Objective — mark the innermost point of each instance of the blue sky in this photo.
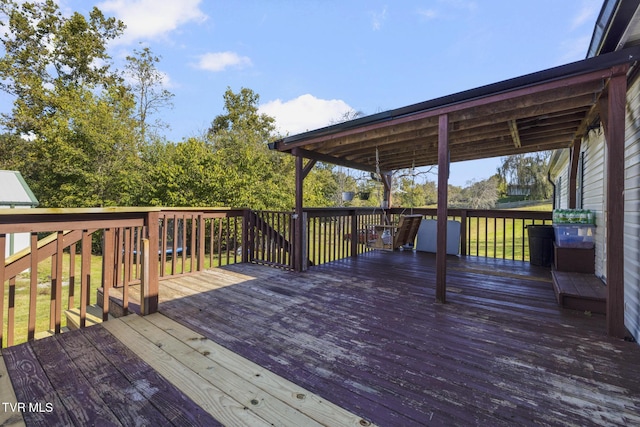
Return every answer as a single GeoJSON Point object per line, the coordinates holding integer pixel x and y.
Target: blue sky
{"type": "Point", "coordinates": [310, 61]}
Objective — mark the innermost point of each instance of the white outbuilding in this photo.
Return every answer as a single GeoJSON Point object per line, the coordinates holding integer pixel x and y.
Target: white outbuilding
{"type": "Point", "coordinates": [15, 193]}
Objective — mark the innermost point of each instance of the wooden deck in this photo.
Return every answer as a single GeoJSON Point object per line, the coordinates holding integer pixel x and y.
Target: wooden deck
{"type": "Point", "coordinates": [149, 371]}
{"type": "Point", "coordinates": [367, 334]}
{"type": "Point", "coordinates": [277, 347]}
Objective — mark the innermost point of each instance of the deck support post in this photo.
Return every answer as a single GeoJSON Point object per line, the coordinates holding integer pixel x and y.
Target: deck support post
{"type": "Point", "coordinates": [614, 123]}
{"type": "Point", "coordinates": [441, 233]}
{"type": "Point", "coordinates": [298, 224]}
{"type": "Point", "coordinates": [149, 288]}
{"type": "Point", "coordinates": [3, 240]}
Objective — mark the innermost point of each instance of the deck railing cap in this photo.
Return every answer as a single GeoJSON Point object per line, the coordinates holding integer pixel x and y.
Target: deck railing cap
{"type": "Point", "coordinates": [112, 209]}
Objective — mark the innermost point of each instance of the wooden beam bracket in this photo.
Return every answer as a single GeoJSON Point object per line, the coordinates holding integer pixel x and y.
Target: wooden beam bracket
{"type": "Point", "coordinates": [515, 134]}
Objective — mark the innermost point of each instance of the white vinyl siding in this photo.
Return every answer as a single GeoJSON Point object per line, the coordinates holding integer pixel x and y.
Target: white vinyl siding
{"type": "Point", "coordinates": [594, 191]}
{"type": "Point", "coordinates": [632, 212]}
{"type": "Point", "coordinates": [562, 189]}
{"type": "Point", "coordinates": [594, 198]}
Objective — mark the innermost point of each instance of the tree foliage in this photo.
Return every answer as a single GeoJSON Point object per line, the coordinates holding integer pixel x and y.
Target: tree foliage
{"type": "Point", "coordinates": [253, 175]}
{"type": "Point", "coordinates": [72, 111]}
{"type": "Point", "coordinates": [528, 171]}
{"type": "Point", "coordinates": [146, 83]}
{"type": "Point", "coordinates": [81, 134]}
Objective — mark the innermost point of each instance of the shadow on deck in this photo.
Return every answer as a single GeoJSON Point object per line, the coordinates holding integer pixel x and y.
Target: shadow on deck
{"type": "Point", "coordinates": [366, 333]}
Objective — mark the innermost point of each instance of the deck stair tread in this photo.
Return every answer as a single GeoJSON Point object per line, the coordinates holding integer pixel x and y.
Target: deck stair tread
{"type": "Point", "coordinates": [580, 291]}
{"type": "Point", "coordinates": [93, 316]}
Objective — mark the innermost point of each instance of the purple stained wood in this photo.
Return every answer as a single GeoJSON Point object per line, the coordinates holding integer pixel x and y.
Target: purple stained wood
{"type": "Point", "coordinates": [88, 377]}
{"type": "Point", "coordinates": [42, 406]}
{"type": "Point", "coordinates": [366, 334]}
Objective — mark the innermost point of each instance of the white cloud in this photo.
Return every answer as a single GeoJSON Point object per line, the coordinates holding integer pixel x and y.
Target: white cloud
{"type": "Point", "coordinates": [427, 13]}
{"type": "Point", "coordinates": [149, 19]}
{"type": "Point", "coordinates": [574, 49]}
{"type": "Point", "coordinates": [378, 18]}
{"type": "Point", "coordinates": [468, 5]}
{"type": "Point", "coordinates": [304, 113]}
{"type": "Point", "coordinates": [586, 13]}
{"type": "Point", "coordinates": [219, 61]}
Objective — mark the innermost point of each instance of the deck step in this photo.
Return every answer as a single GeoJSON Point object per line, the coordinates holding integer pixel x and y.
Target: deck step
{"type": "Point", "coordinates": [48, 333]}
{"type": "Point", "coordinates": [93, 317]}
{"type": "Point", "coordinates": [116, 306]}
{"type": "Point", "coordinates": [580, 291]}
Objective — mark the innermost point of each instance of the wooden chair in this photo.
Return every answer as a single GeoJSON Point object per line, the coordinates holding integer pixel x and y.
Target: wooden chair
{"type": "Point", "coordinates": [391, 237]}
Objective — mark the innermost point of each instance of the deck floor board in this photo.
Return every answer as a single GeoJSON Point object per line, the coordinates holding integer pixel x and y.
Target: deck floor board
{"type": "Point", "coordinates": [368, 333]}
{"type": "Point", "coordinates": [253, 345]}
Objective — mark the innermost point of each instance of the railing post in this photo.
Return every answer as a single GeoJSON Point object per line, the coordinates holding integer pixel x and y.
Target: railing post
{"type": "Point", "coordinates": [85, 276]}
{"type": "Point", "coordinates": [355, 235]}
{"type": "Point", "coordinates": [2, 257]}
{"type": "Point", "coordinates": [463, 233]}
{"type": "Point", "coordinates": [149, 293]}
{"type": "Point", "coordinates": [247, 230]}
{"type": "Point", "coordinates": [201, 236]}
{"type": "Point", "coordinates": [107, 270]}
{"type": "Point", "coordinates": [144, 276]}
{"type": "Point", "coordinates": [57, 289]}
{"type": "Point", "coordinates": [304, 255]}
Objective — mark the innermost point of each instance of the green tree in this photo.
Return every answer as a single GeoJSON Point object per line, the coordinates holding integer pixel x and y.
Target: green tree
{"type": "Point", "coordinates": [481, 194]}
{"type": "Point", "coordinates": [411, 194]}
{"type": "Point", "coordinates": [528, 171]}
{"type": "Point", "coordinates": [320, 186]}
{"type": "Point", "coordinates": [248, 173]}
{"type": "Point", "coordinates": [76, 112]}
{"type": "Point", "coordinates": [180, 174]}
{"type": "Point", "coordinates": [14, 152]}
{"type": "Point", "coordinates": [147, 87]}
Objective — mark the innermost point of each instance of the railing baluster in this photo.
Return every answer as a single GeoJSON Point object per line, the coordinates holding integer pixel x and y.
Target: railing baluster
{"type": "Point", "coordinates": [164, 227]}
{"type": "Point", "coordinates": [72, 275]}
{"type": "Point", "coordinates": [3, 242]}
{"type": "Point", "coordinates": [57, 288]}
{"type": "Point", "coordinates": [85, 276]}
{"type": "Point", "coordinates": [33, 286]}
{"type": "Point", "coordinates": [11, 305]}
{"type": "Point", "coordinates": [477, 235]}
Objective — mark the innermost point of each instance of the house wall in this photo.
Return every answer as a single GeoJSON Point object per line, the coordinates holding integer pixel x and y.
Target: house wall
{"type": "Point", "coordinates": [593, 192]}
{"type": "Point", "coordinates": [594, 198]}
{"type": "Point", "coordinates": [16, 241]}
{"type": "Point", "coordinates": [632, 211]}
{"type": "Point", "coordinates": [562, 188]}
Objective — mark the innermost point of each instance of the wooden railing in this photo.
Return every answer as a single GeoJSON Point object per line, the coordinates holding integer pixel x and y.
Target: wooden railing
{"type": "Point", "coordinates": [72, 253]}
{"type": "Point", "coordinates": [490, 233]}
{"type": "Point", "coordinates": [335, 233]}
{"type": "Point", "coordinates": [270, 238]}
{"type": "Point", "coordinates": [328, 235]}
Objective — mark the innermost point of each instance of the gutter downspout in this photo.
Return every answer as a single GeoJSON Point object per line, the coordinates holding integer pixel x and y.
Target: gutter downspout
{"type": "Point", "coordinates": [553, 184]}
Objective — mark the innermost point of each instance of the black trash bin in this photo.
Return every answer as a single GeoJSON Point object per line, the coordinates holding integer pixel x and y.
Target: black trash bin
{"type": "Point", "coordinates": [541, 244]}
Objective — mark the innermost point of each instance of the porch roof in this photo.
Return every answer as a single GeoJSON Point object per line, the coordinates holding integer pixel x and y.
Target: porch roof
{"type": "Point", "coordinates": [545, 110]}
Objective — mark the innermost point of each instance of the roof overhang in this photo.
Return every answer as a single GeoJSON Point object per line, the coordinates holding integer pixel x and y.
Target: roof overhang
{"type": "Point", "coordinates": [546, 110]}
